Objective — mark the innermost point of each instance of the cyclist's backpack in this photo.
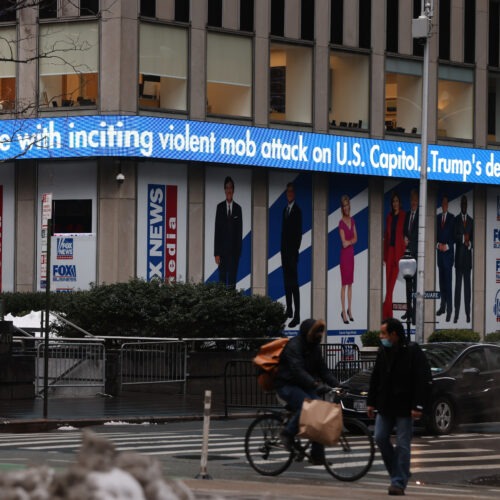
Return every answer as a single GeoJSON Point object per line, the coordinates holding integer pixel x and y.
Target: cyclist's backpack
{"type": "Point", "coordinates": [267, 360]}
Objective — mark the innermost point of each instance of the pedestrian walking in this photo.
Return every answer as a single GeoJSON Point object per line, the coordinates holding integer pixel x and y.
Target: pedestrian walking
{"type": "Point", "coordinates": [399, 389]}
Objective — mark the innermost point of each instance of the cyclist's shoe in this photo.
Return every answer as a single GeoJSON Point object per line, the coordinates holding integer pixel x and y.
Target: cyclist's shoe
{"type": "Point", "coordinates": [288, 440]}
{"type": "Point", "coordinates": [317, 460]}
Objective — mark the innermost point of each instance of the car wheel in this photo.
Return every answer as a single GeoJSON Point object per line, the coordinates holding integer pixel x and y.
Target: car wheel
{"type": "Point", "coordinates": [442, 419]}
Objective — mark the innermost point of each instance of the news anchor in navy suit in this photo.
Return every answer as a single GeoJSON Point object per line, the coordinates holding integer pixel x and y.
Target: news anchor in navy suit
{"type": "Point", "coordinates": [410, 231]}
{"type": "Point", "coordinates": [445, 247]}
{"type": "Point", "coordinates": [228, 236]}
{"type": "Point", "coordinates": [291, 237]}
{"type": "Point", "coordinates": [464, 229]}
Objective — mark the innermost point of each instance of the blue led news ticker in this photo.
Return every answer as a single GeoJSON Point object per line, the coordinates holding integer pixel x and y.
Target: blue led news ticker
{"type": "Point", "coordinates": [165, 138]}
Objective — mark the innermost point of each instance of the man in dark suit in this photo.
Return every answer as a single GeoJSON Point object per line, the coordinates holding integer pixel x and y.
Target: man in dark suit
{"type": "Point", "coordinates": [464, 229]}
{"type": "Point", "coordinates": [445, 241]}
{"type": "Point", "coordinates": [410, 231]}
{"type": "Point", "coordinates": [228, 236]}
{"type": "Point", "coordinates": [291, 237]}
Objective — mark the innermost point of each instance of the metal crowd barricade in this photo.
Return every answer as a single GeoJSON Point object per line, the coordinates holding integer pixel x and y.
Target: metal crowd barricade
{"type": "Point", "coordinates": [346, 369]}
{"type": "Point", "coordinates": [241, 389]}
{"type": "Point", "coordinates": [71, 364]}
{"type": "Point", "coordinates": [153, 362]}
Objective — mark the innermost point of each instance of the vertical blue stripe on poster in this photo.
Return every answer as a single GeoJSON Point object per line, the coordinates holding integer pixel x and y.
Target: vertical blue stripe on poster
{"type": "Point", "coordinates": [156, 232]}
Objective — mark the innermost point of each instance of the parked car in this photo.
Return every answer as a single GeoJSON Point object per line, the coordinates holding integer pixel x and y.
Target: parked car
{"type": "Point", "coordinates": [466, 386]}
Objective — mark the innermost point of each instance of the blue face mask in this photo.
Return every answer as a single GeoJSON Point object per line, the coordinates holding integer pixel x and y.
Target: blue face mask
{"type": "Point", "coordinates": [386, 342]}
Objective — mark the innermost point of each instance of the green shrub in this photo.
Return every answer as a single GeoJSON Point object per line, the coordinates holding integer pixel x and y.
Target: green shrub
{"type": "Point", "coordinates": [142, 309]}
{"type": "Point", "coordinates": [370, 338]}
{"type": "Point", "coordinates": [455, 335]}
{"type": "Point", "coordinates": [492, 337]}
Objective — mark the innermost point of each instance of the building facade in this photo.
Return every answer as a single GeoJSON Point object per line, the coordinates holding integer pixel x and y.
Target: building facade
{"type": "Point", "coordinates": [132, 114]}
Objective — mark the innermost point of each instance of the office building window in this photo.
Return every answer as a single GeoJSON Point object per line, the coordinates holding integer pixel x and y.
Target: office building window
{"type": "Point", "coordinates": [337, 21]}
{"type": "Point", "coordinates": [493, 33]}
{"type": "Point", "coordinates": [8, 9]}
{"type": "Point", "coordinates": [69, 61]}
{"type": "Point", "coordinates": [163, 67]}
{"type": "Point", "coordinates": [470, 31]}
{"type": "Point", "coordinates": [89, 7]}
{"type": "Point", "coordinates": [72, 216]}
{"type": "Point", "coordinates": [147, 8]}
{"type": "Point", "coordinates": [229, 75]}
{"type": "Point", "coordinates": [403, 96]}
{"type": "Point", "coordinates": [392, 31]}
{"type": "Point", "coordinates": [455, 102]}
{"type": "Point", "coordinates": [47, 9]}
{"type": "Point", "coordinates": [307, 20]}
{"type": "Point", "coordinates": [8, 52]}
{"type": "Point", "coordinates": [349, 90]}
{"type": "Point", "coordinates": [182, 11]}
{"type": "Point", "coordinates": [418, 46]}
{"type": "Point", "coordinates": [494, 107]}
{"type": "Point", "coordinates": [278, 17]}
{"type": "Point", "coordinates": [215, 13]}
{"type": "Point", "coordinates": [365, 24]}
{"type": "Point", "coordinates": [444, 29]}
{"type": "Point", "coordinates": [246, 15]}
{"type": "Point", "coordinates": [291, 83]}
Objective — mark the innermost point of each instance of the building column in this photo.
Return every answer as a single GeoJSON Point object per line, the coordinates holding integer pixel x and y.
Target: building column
{"type": "Point", "coordinates": [116, 230]}
{"type": "Point", "coordinates": [260, 237]}
{"type": "Point", "coordinates": [377, 68]}
{"type": "Point", "coordinates": [321, 66]}
{"type": "Point", "coordinates": [196, 218]}
{"type": "Point", "coordinates": [261, 66]}
{"type": "Point", "coordinates": [376, 257]}
{"type": "Point", "coordinates": [319, 245]}
{"type": "Point", "coordinates": [197, 61]}
{"type": "Point", "coordinates": [481, 76]}
{"type": "Point", "coordinates": [25, 223]}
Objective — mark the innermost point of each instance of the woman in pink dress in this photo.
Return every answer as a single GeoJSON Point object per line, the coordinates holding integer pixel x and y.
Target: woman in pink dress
{"type": "Point", "coordinates": [348, 237]}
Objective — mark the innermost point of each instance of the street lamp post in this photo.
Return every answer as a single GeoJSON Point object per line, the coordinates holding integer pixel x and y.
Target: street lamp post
{"type": "Point", "coordinates": [421, 30]}
{"type": "Point", "coordinates": [407, 268]}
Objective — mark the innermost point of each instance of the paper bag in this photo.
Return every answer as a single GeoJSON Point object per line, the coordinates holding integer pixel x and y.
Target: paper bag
{"type": "Point", "coordinates": [320, 421]}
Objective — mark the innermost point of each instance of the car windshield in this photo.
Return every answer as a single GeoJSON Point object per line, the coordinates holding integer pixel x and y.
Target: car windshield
{"type": "Point", "coordinates": [440, 356]}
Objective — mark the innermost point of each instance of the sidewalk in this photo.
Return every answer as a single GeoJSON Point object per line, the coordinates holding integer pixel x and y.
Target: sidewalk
{"type": "Point", "coordinates": [28, 415]}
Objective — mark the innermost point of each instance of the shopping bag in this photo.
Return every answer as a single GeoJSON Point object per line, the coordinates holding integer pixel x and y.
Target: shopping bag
{"type": "Point", "coordinates": [321, 421]}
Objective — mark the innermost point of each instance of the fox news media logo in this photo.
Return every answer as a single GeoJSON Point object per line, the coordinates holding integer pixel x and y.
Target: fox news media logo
{"type": "Point", "coordinates": [496, 238]}
{"type": "Point", "coordinates": [63, 272]}
{"type": "Point", "coordinates": [64, 248]}
{"type": "Point", "coordinates": [496, 307]}
{"type": "Point", "coordinates": [498, 270]}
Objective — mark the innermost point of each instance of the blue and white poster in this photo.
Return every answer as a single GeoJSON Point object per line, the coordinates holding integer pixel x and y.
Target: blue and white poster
{"type": "Point", "coordinates": [454, 246]}
{"type": "Point", "coordinates": [228, 227]}
{"type": "Point", "coordinates": [162, 220]}
{"type": "Point", "coordinates": [348, 223]}
{"type": "Point", "coordinates": [289, 249]}
{"type": "Point", "coordinates": [493, 261]}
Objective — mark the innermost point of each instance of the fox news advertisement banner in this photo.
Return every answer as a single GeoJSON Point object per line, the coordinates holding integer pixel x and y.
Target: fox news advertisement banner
{"type": "Point", "coordinates": [493, 260]}
{"type": "Point", "coordinates": [218, 143]}
{"type": "Point", "coordinates": [72, 262]}
{"type": "Point", "coordinates": [7, 227]}
{"type": "Point", "coordinates": [161, 216]}
{"type": "Point", "coordinates": [289, 234]}
{"type": "Point", "coordinates": [351, 263]}
{"type": "Point", "coordinates": [234, 240]}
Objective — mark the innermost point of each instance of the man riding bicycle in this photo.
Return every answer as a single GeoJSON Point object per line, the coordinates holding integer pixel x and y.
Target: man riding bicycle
{"type": "Point", "coordinates": [303, 373]}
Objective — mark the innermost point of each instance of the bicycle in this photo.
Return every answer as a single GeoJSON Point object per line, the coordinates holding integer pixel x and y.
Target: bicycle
{"type": "Point", "coordinates": [348, 460]}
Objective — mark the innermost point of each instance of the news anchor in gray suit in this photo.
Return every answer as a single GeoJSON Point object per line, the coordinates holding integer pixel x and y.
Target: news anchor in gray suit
{"type": "Point", "coordinates": [228, 236]}
{"type": "Point", "coordinates": [445, 247]}
{"type": "Point", "coordinates": [464, 230]}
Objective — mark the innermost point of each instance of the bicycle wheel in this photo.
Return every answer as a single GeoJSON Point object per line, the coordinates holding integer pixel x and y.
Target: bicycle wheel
{"type": "Point", "coordinates": [263, 447]}
{"type": "Point", "coordinates": [352, 457]}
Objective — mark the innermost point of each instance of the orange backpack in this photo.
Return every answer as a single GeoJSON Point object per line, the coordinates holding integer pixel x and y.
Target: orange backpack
{"type": "Point", "coordinates": [267, 360]}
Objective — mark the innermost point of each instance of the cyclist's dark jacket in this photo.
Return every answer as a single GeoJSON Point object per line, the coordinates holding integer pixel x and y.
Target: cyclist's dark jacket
{"type": "Point", "coordinates": [401, 380]}
{"type": "Point", "coordinates": [302, 364]}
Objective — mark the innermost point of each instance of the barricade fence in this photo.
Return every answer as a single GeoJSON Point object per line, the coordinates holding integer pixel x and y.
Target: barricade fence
{"type": "Point", "coordinates": [70, 364]}
{"type": "Point", "coordinates": [241, 389]}
{"type": "Point", "coordinates": [153, 362]}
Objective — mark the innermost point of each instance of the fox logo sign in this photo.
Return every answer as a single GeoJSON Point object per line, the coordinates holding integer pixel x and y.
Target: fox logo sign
{"type": "Point", "coordinates": [496, 238]}
{"type": "Point", "coordinates": [64, 272]}
{"type": "Point", "coordinates": [64, 248]}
